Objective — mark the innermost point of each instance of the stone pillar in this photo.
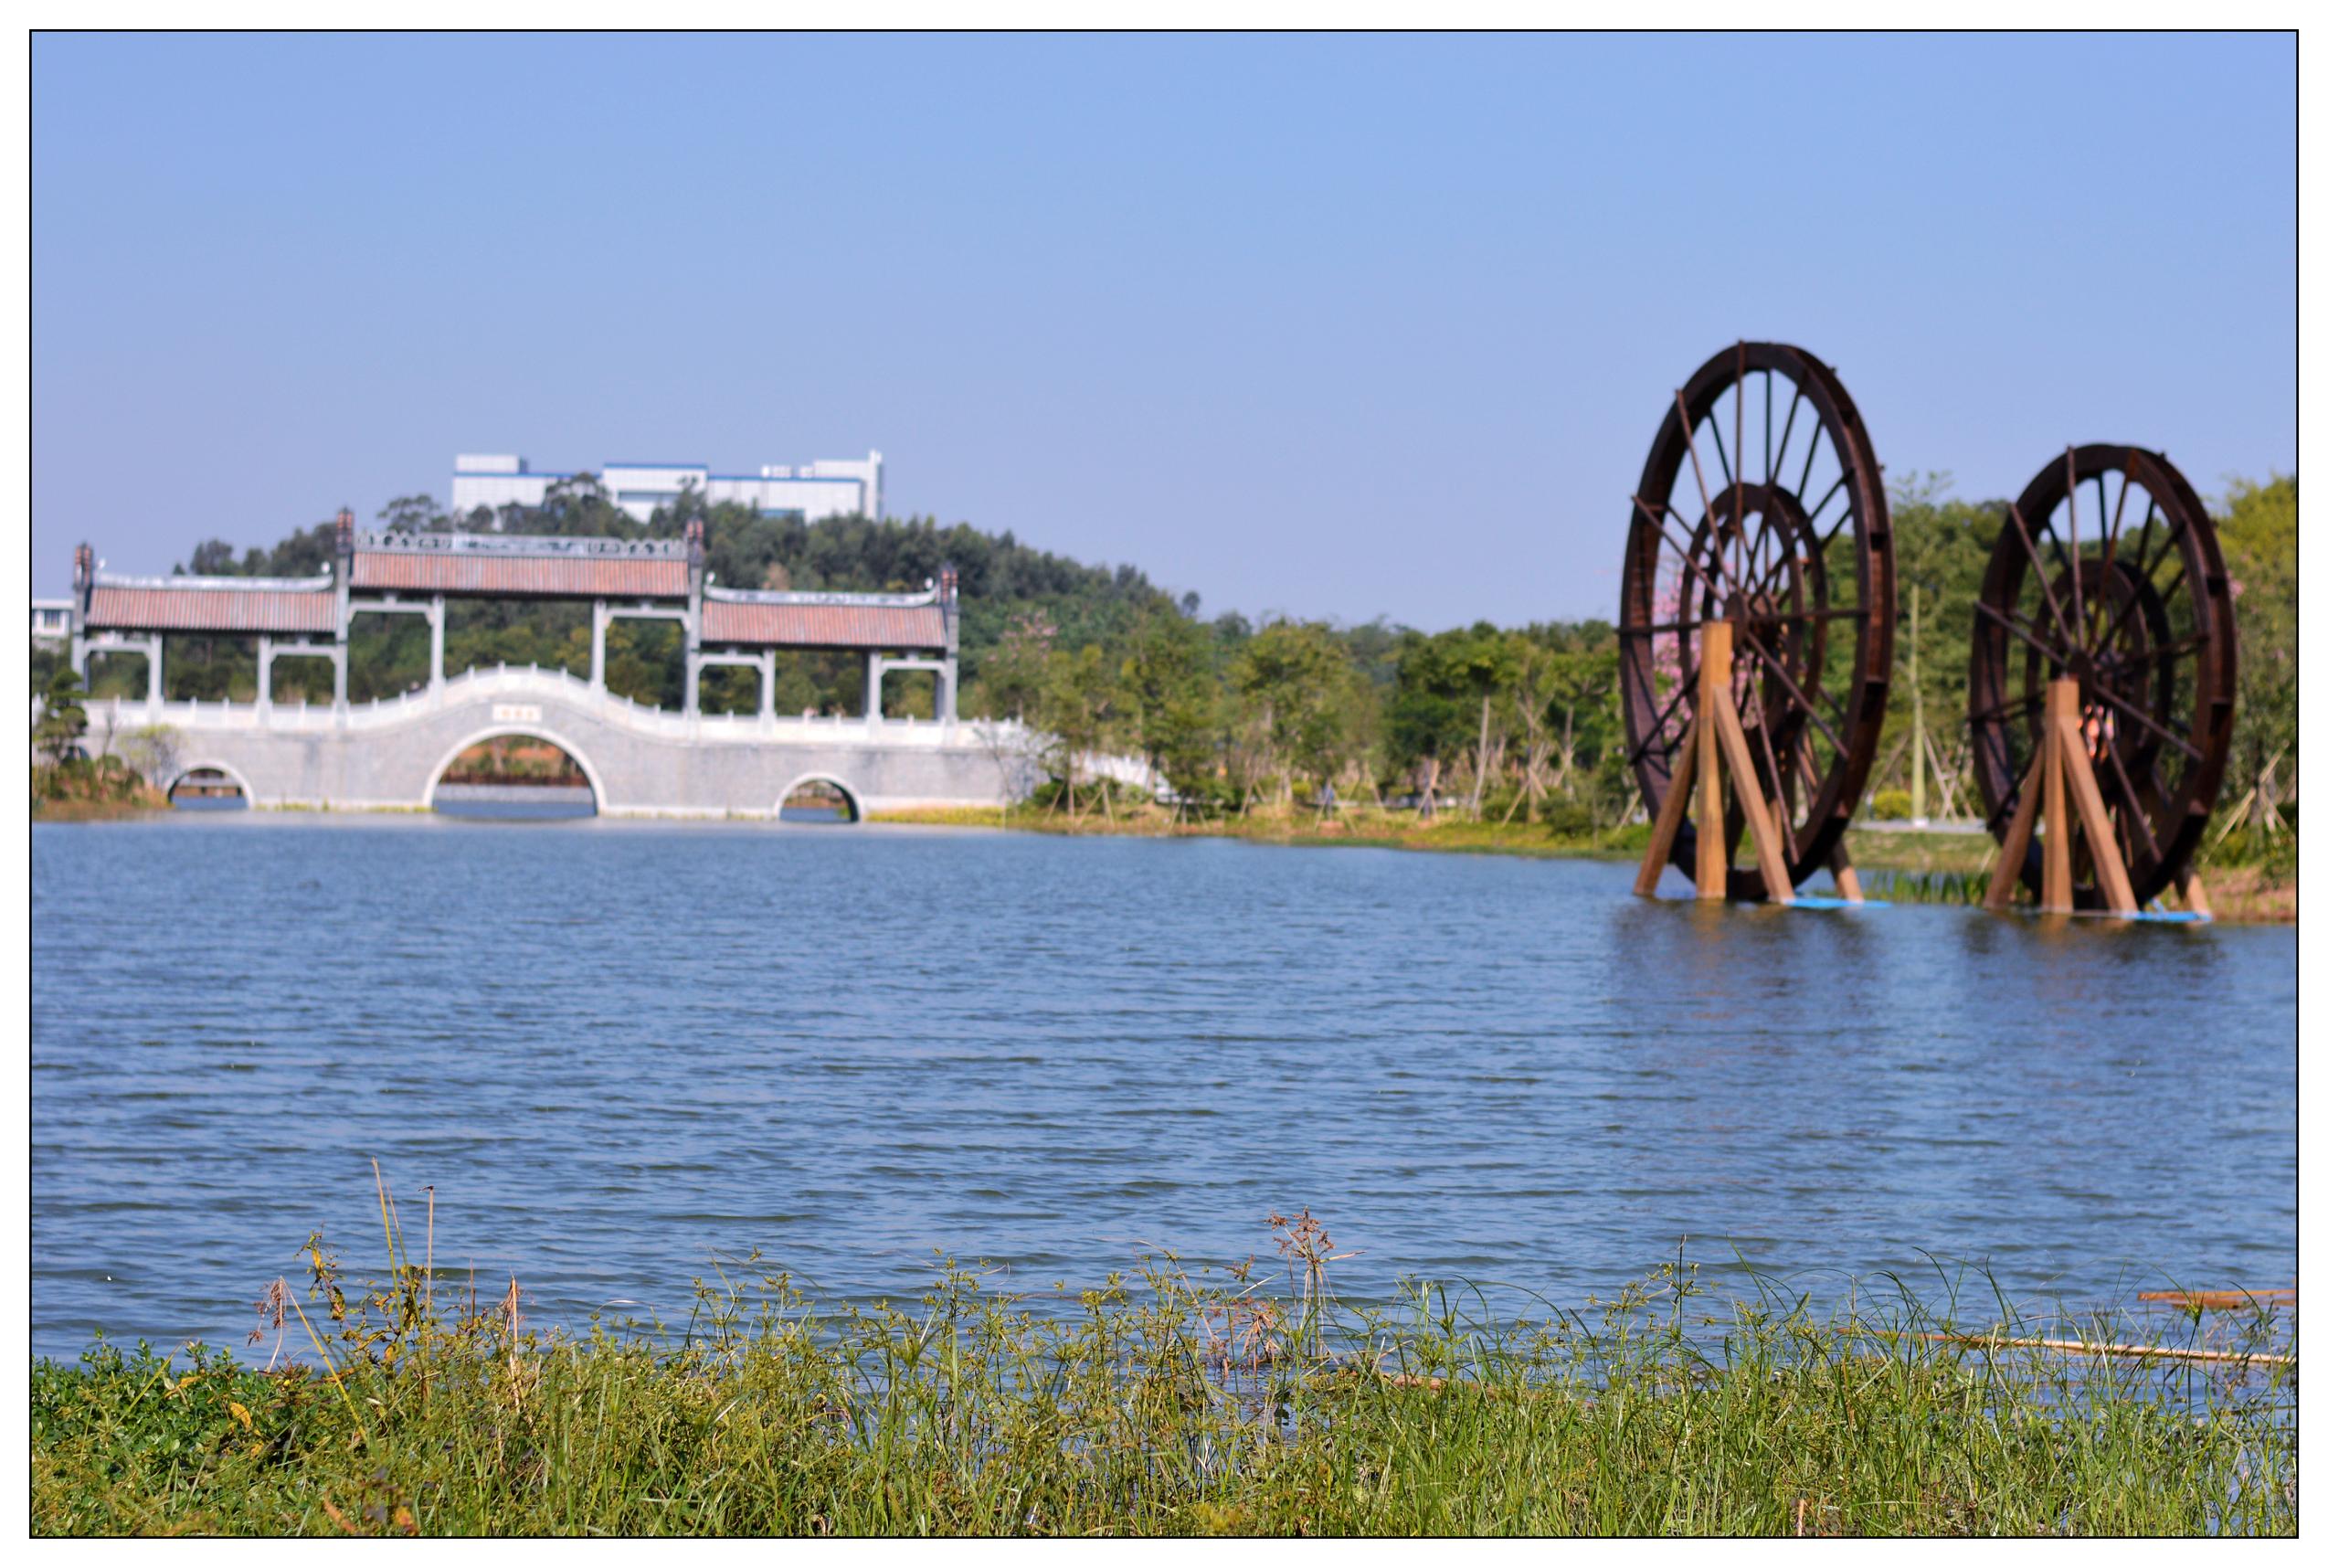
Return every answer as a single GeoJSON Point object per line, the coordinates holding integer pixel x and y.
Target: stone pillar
{"type": "Point", "coordinates": [599, 619]}
{"type": "Point", "coordinates": [875, 668]}
{"type": "Point", "coordinates": [343, 542]}
{"type": "Point", "coordinates": [946, 680]}
{"type": "Point", "coordinates": [693, 703]}
{"type": "Point", "coordinates": [767, 685]}
{"type": "Point", "coordinates": [266, 672]}
{"type": "Point", "coordinates": [84, 584]}
{"type": "Point", "coordinates": [153, 671]}
{"type": "Point", "coordinates": [436, 642]}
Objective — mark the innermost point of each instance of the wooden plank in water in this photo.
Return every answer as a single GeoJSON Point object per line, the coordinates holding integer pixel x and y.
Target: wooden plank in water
{"type": "Point", "coordinates": [2219, 1300]}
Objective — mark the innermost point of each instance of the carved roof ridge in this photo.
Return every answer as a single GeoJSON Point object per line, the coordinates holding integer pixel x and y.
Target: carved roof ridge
{"type": "Point", "coordinates": [240, 585]}
{"type": "Point", "coordinates": [382, 542]}
{"type": "Point", "coordinates": [790, 596]}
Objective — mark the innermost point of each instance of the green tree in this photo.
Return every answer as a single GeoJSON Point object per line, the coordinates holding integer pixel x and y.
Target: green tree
{"type": "Point", "coordinates": [63, 719]}
{"type": "Point", "coordinates": [1173, 682]}
{"type": "Point", "coordinates": [2258, 528]}
{"type": "Point", "coordinates": [1446, 683]}
{"type": "Point", "coordinates": [1014, 678]}
{"type": "Point", "coordinates": [1081, 695]}
{"type": "Point", "coordinates": [1940, 549]}
{"type": "Point", "coordinates": [1296, 677]}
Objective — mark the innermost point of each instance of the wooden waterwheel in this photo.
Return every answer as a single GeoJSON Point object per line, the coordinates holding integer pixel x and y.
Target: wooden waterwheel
{"type": "Point", "coordinates": [2104, 671]}
{"type": "Point", "coordinates": [1755, 624]}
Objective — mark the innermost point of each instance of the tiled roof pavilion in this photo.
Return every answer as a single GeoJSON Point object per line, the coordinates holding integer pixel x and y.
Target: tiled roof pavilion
{"type": "Point", "coordinates": [513, 566]}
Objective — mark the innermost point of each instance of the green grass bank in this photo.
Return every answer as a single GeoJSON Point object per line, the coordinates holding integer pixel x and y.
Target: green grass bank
{"type": "Point", "coordinates": [2246, 881]}
{"type": "Point", "coordinates": [1249, 1401]}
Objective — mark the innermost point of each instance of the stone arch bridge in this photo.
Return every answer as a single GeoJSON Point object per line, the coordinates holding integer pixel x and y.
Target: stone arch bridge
{"type": "Point", "coordinates": [640, 761]}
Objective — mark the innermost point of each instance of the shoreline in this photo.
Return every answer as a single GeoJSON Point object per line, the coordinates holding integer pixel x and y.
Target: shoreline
{"type": "Point", "coordinates": [2242, 895]}
{"type": "Point", "coordinates": [1938, 862]}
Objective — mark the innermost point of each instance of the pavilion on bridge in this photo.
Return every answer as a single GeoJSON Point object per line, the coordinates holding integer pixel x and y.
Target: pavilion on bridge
{"type": "Point", "coordinates": [399, 572]}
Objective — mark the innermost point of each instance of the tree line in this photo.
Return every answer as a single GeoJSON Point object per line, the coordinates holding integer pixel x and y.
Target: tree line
{"type": "Point", "coordinates": [1501, 722]}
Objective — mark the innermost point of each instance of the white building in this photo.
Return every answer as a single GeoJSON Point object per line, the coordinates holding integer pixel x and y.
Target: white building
{"type": "Point", "coordinates": [830, 488]}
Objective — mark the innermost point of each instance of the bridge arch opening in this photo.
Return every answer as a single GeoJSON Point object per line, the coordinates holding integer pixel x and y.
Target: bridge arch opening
{"type": "Point", "coordinates": [815, 798]}
{"type": "Point", "coordinates": [509, 775]}
{"type": "Point", "coordinates": [209, 786]}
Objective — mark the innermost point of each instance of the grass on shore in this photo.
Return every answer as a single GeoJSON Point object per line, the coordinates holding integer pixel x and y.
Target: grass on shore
{"type": "Point", "coordinates": [89, 791]}
{"type": "Point", "coordinates": [1902, 864]}
{"type": "Point", "coordinates": [1166, 1405]}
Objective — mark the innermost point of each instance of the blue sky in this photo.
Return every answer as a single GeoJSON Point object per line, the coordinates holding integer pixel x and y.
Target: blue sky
{"type": "Point", "coordinates": [1327, 326]}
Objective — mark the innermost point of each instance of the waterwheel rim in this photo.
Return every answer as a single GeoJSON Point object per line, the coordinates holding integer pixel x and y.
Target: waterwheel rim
{"type": "Point", "coordinates": [1762, 503]}
{"type": "Point", "coordinates": [2108, 569]}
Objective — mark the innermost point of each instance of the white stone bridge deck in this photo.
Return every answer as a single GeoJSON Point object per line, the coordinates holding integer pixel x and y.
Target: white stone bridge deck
{"type": "Point", "coordinates": [640, 761]}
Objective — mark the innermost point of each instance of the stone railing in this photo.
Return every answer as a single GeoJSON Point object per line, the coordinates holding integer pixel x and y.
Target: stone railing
{"type": "Point", "coordinates": [546, 686]}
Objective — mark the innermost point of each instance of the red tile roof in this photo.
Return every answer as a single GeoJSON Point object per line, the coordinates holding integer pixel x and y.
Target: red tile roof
{"type": "Point", "coordinates": [781, 625]}
{"type": "Point", "coordinates": [563, 577]}
{"type": "Point", "coordinates": [208, 609]}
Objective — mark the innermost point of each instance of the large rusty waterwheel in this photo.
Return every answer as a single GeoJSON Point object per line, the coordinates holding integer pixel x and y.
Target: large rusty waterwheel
{"type": "Point", "coordinates": [1762, 504]}
{"type": "Point", "coordinates": [2130, 597]}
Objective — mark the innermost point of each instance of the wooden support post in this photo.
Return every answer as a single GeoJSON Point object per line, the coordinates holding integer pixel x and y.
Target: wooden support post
{"type": "Point", "coordinates": [1713, 837]}
{"type": "Point", "coordinates": [2060, 895]}
{"type": "Point", "coordinates": [2015, 852]}
{"type": "Point", "coordinates": [2085, 794]}
{"type": "Point", "coordinates": [2072, 801]}
{"type": "Point", "coordinates": [1743, 783]}
{"type": "Point", "coordinates": [1716, 740]}
{"type": "Point", "coordinates": [1846, 878]}
{"type": "Point", "coordinates": [2193, 894]}
{"type": "Point", "coordinates": [1669, 814]}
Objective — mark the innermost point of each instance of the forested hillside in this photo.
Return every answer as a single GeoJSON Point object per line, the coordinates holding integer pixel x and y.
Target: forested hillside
{"type": "Point", "coordinates": [1504, 721]}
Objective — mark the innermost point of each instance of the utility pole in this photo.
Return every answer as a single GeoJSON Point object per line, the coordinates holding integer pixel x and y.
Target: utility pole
{"type": "Point", "coordinates": [1916, 685]}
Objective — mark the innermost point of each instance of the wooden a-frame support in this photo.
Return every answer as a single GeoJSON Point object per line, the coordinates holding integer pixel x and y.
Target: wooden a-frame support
{"type": "Point", "coordinates": [1716, 741]}
{"type": "Point", "coordinates": [2061, 784]}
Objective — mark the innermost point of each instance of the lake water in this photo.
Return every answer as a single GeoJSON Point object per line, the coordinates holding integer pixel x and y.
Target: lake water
{"type": "Point", "coordinates": [617, 1049]}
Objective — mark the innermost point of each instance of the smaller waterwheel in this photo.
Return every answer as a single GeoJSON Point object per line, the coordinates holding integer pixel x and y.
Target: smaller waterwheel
{"type": "Point", "coordinates": [1755, 624]}
{"type": "Point", "coordinates": [2105, 664]}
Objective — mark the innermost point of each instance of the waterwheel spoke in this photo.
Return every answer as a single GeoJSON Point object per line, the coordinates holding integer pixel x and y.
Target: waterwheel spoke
{"type": "Point", "coordinates": [1768, 397]}
{"type": "Point", "coordinates": [2190, 644]}
{"type": "Point", "coordinates": [1810, 709]}
{"type": "Point", "coordinates": [2076, 579]}
{"type": "Point", "coordinates": [1810, 455]}
{"type": "Point", "coordinates": [2110, 540]}
{"type": "Point", "coordinates": [1737, 432]}
{"type": "Point", "coordinates": [1657, 730]}
{"type": "Point", "coordinates": [2164, 731]}
{"type": "Point", "coordinates": [1721, 453]}
{"type": "Point", "coordinates": [2028, 549]}
{"type": "Point", "coordinates": [2129, 807]}
{"type": "Point", "coordinates": [1770, 473]}
{"type": "Point", "coordinates": [2001, 710]}
{"type": "Point", "coordinates": [1709, 568]}
{"type": "Point", "coordinates": [2026, 633]}
{"type": "Point", "coordinates": [1706, 502]}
